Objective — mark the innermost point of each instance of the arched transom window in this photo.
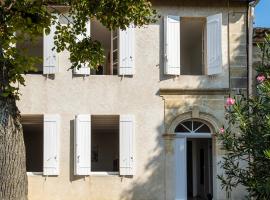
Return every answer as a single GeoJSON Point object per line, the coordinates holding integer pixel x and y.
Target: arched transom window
{"type": "Point", "coordinates": [193, 127]}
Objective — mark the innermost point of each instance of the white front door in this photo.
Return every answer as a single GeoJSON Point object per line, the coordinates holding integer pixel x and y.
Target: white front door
{"type": "Point", "coordinates": [193, 130]}
{"type": "Point", "coordinates": [181, 168]}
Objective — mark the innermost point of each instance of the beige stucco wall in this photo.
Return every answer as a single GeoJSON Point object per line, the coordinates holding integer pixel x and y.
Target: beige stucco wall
{"type": "Point", "coordinates": [138, 95]}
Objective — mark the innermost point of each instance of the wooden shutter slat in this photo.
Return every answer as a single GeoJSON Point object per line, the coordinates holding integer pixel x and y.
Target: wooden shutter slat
{"type": "Point", "coordinates": [127, 126]}
{"type": "Point", "coordinates": [126, 51]}
{"type": "Point", "coordinates": [214, 44]}
{"type": "Point", "coordinates": [172, 45]}
{"type": "Point", "coordinates": [82, 158]}
{"type": "Point", "coordinates": [51, 144]}
{"type": "Point", "coordinates": [50, 58]}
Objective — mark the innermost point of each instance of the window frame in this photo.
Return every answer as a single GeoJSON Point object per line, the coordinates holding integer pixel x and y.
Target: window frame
{"type": "Point", "coordinates": [105, 173]}
{"type": "Point", "coordinates": [192, 133]}
{"type": "Point", "coordinates": [111, 59]}
{"type": "Point", "coordinates": [204, 44]}
{"type": "Point", "coordinates": [34, 119]}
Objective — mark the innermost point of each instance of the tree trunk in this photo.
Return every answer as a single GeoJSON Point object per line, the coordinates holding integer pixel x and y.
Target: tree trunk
{"type": "Point", "coordinates": [13, 178]}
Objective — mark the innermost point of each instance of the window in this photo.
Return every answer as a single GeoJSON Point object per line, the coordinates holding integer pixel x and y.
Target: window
{"type": "Point", "coordinates": [33, 48]}
{"type": "Point", "coordinates": [42, 47]}
{"type": "Point", "coordinates": [193, 45]}
{"type": "Point", "coordinates": [118, 46]}
{"type": "Point", "coordinates": [109, 42]}
{"type": "Point", "coordinates": [33, 139]}
{"type": "Point", "coordinates": [105, 143]}
{"type": "Point", "coordinates": [41, 136]}
{"type": "Point", "coordinates": [119, 49]}
{"type": "Point", "coordinates": [192, 53]}
{"type": "Point", "coordinates": [192, 126]}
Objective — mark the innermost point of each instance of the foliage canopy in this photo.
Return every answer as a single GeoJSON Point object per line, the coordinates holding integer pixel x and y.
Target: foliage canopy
{"type": "Point", "coordinates": [22, 20]}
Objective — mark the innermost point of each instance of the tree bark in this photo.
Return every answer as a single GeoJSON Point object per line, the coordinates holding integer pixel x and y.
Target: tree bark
{"type": "Point", "coordinates": [13, 178]}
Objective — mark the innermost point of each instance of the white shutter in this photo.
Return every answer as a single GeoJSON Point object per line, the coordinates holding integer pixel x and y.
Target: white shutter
{"type": "Point", "coordinates": [51, 133]}
{"type": "Point", "coordinates": [50, 58]}
{"type": "Point", "coordinates": [214, 42]}
{"type": "Point", "coordinates": [85, 69]}
{"type": "Point", "coordinates": [172, 45]}
{"type": "Point", "coordinates": [126, 51]}
{"type": "Point", "coordinates": [82, 158]}
{"type": "Point", "coordinates": [127, 126]}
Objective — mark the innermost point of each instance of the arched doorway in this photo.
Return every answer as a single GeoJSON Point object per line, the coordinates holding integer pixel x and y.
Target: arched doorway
{"type": "Point", "coordinates": [193, 156]}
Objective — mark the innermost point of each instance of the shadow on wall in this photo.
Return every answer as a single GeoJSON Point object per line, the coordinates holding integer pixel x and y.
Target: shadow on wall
{"type": "Point", "coordinates": [150, 185]}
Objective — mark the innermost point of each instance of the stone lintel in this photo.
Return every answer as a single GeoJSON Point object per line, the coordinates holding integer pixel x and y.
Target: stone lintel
{"type": "Point", "coordinates": [169, 91]}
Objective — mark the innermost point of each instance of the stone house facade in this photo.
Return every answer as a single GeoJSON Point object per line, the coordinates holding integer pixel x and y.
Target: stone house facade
{"type": "Point", "coordinates": [142, 126]}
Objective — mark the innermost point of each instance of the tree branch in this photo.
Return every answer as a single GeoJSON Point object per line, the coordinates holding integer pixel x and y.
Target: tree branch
{"type": "Point", "coordinates": [3, 3]}
{"type": "Point", "coordinates": [10, 6]}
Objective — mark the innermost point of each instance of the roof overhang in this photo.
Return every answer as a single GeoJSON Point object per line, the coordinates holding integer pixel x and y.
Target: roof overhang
{"type": "Point", "coordinates": [259, 34]}
{"type": "Point", "coordinates": [251, 2]}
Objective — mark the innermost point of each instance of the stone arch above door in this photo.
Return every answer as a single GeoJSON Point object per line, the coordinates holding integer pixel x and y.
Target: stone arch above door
{"type": "Point", "coordinates": [206, 118]}
{"type": "Point", "coordinates": [192, 126]}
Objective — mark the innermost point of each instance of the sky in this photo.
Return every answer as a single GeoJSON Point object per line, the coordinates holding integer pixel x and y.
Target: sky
{"type": "Point", "coordinates": [262, 14]}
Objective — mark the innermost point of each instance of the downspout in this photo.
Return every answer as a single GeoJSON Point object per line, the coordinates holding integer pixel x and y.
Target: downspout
{"type": "Point", "coordinates": [228, 40]}
{"type": "Point", "coordinates": [250, 49]}
{"type": "Point", "coordinates": [228, 193]}
{"type": "Point", "coordinates": [247, 47]}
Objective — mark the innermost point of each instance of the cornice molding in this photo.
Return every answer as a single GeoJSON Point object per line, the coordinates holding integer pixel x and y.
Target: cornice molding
{"type": "Point", "coordinates": [169, 91]}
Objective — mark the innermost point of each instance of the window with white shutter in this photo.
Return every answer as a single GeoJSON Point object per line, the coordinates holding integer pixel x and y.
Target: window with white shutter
{"type": "Point", "coordinates": [85, 69]}
{"type": "Point", "coordinates": [214, 44]}
{"type": "Point", "coordinates": [50, 57]}
{"type": "Point", "coordinates": [172, 45]}
{"type": "Point", "coordinates": [104, 145]}
{"type": "Point", "coordinates": [82, 156]}
{"type": "Point", "coordinates": [195, 48]}
{"type": "Point", "coordinates": [127, 130]}
{"type": "Point", "coordinates": [118, 47]}
{"type": "Point", "coordinates": [51, 131]}
{"type": "Point", "coordinates": [41, 137]}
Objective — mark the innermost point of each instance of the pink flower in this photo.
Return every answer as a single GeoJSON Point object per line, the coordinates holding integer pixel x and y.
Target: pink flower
{"type": "Point", "coordinates": [260, 78]}
{"type": "Point", "coordinates": [221, 130]}
{"type": "Point", "coordinates": [230, 101]}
